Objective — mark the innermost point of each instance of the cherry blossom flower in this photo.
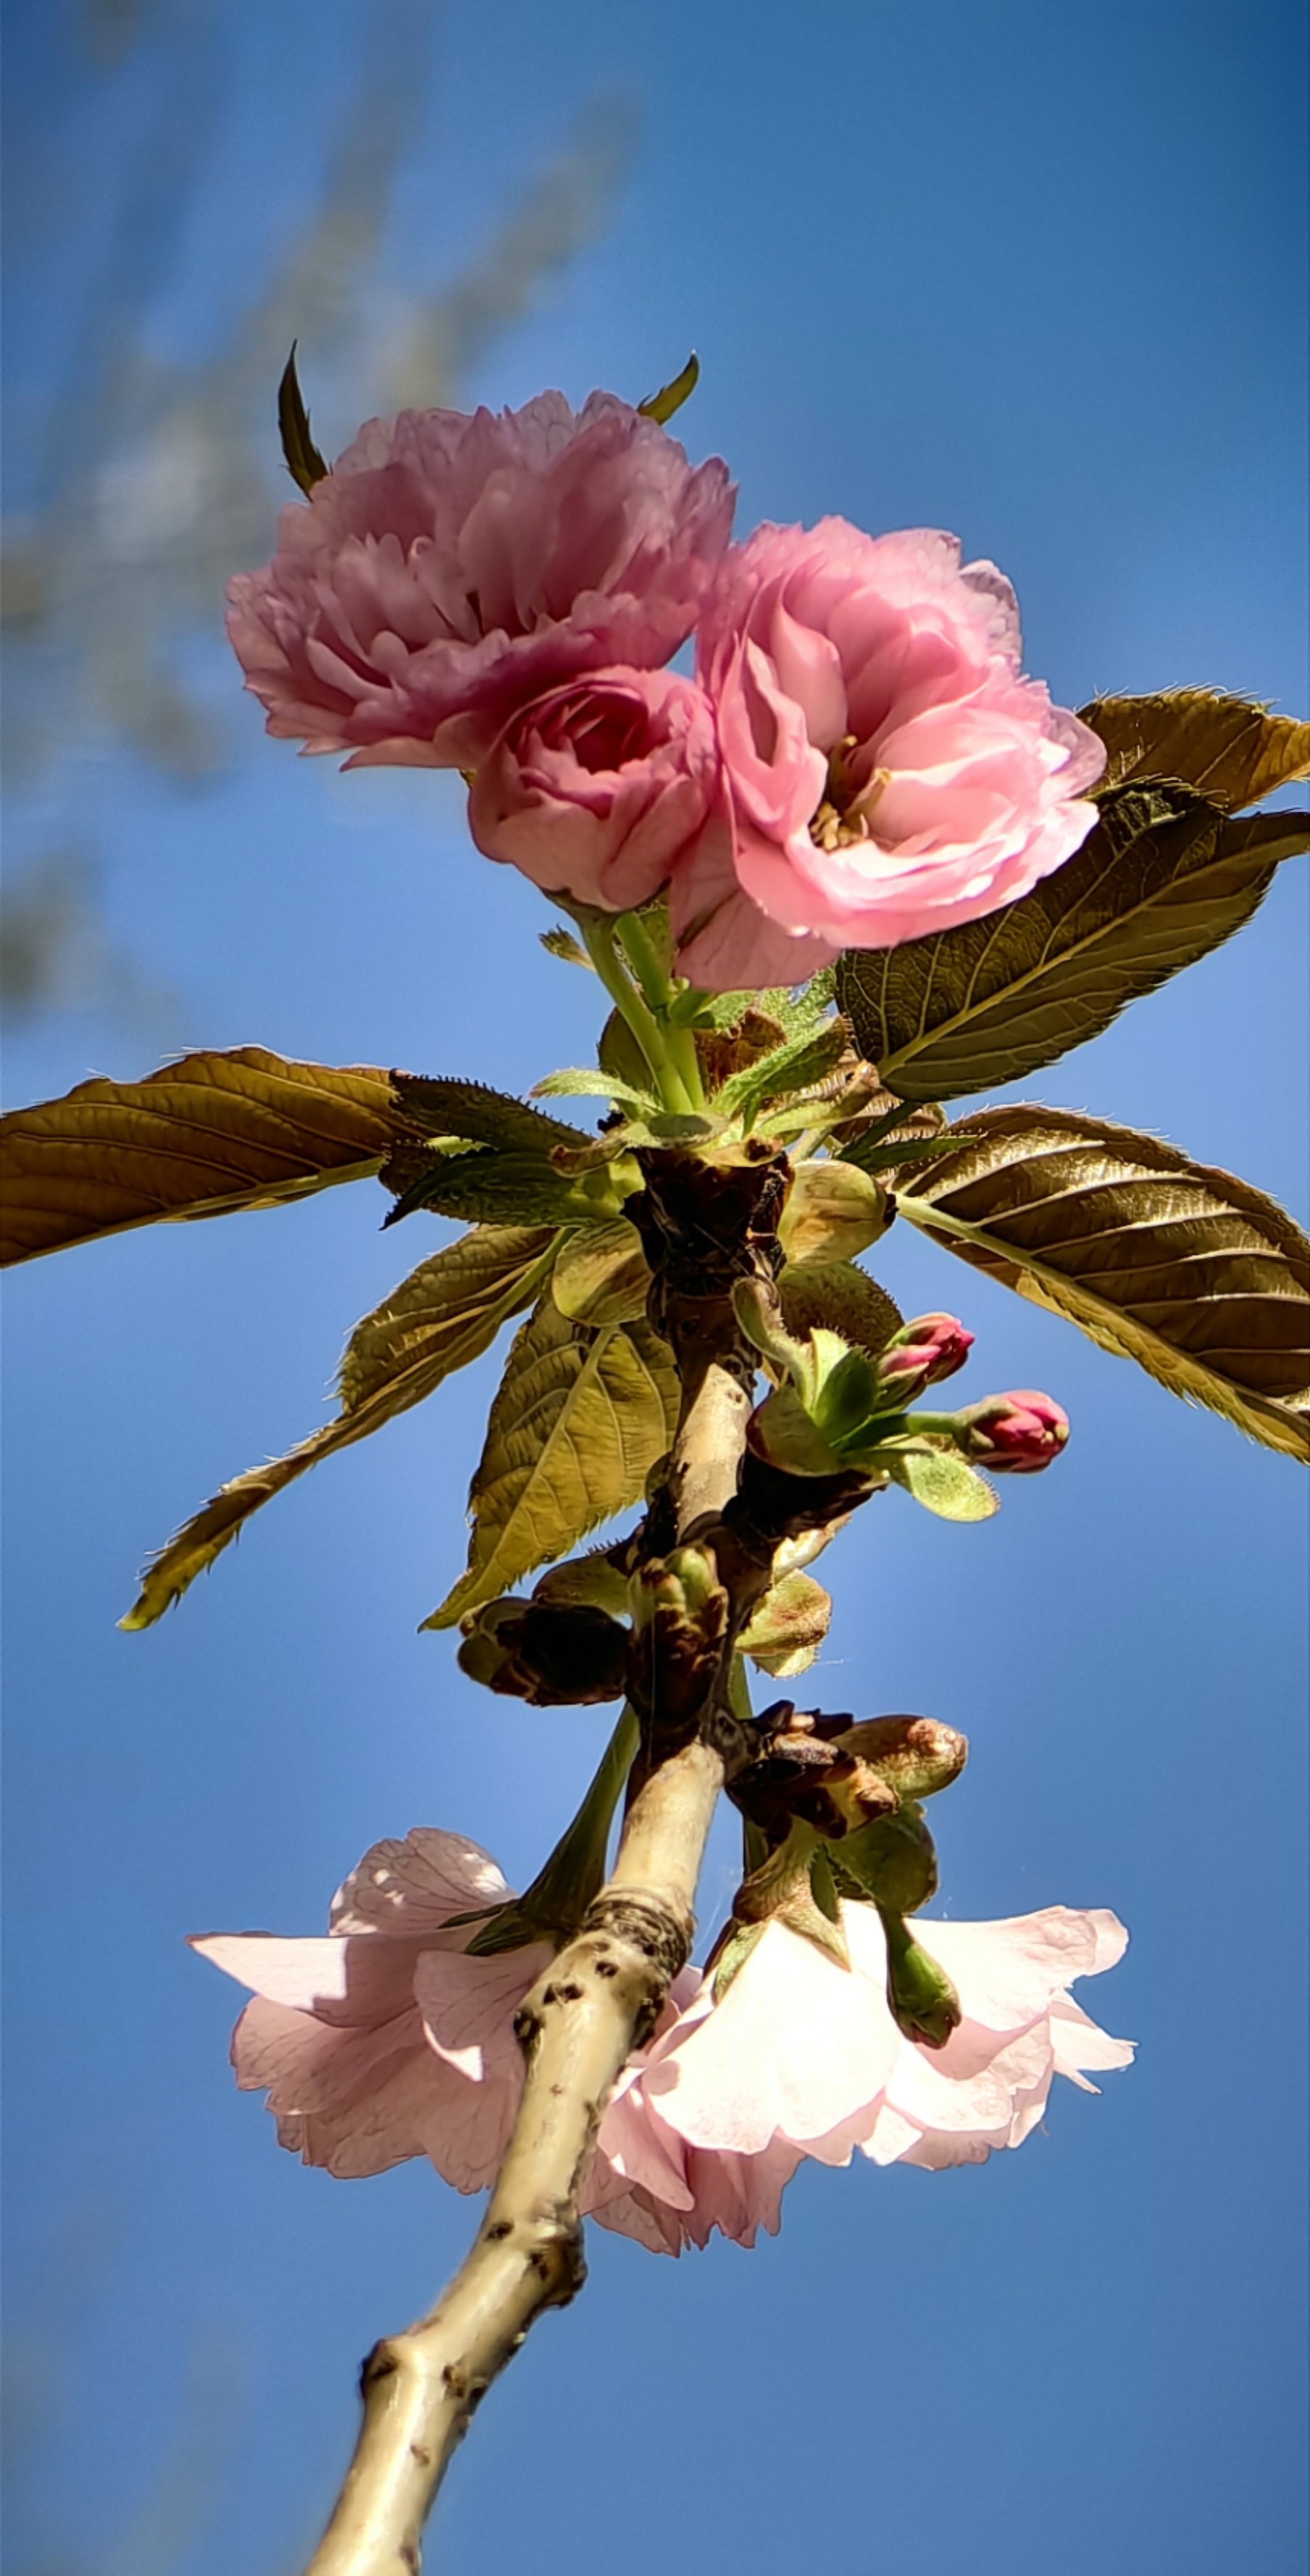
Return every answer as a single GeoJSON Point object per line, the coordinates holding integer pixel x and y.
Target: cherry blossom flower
{"type": "Point", "coordinates": [1018, 1433]}
{"type": "Point", "coordinates": [453, 566]}
{"type": "Point", "coordinates": [802, 2056]}
{"type": "Point", "coordinates": [891, 770]}
{"type": "Point", "coordinates": [384, 2039]}
{"type": "Point", "coordinates": [597, 789]}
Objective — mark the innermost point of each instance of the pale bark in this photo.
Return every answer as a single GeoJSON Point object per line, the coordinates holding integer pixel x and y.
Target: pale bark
{"type": "Point", "coordinates": [598, 1999]}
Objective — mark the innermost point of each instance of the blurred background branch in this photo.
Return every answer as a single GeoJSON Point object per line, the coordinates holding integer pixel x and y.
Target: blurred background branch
{"type": "Point", "coordinates": [139, 481]}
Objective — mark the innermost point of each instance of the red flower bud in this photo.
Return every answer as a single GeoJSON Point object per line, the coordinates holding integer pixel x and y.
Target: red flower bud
{"type": "Point", "coordinates": [1015, 1434]}
{"type": "Point", "coordinates": [932, 1347]}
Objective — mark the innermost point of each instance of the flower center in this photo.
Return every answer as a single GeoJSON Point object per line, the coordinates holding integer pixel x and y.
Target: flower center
{"type": "Point", "coordinates": [844, 814]}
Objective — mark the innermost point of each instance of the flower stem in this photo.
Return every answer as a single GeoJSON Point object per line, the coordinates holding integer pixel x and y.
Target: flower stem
{"type": "Point", "coordinates": [572, 1877]}
{"type": "Point", "coordinates": [598, 929]}
{"type": "Point", "coordinates": [659, 993]}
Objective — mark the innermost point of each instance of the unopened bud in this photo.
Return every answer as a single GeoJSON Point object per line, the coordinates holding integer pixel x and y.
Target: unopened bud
{"type": "Point", "coordinates": [1013, 1434]}
{"type": "Point", "coordinates": [932, 1347]}
{"type": "Point", "coordinates": [914, 1755]}
{"type": "Point", "coordinates": [548, 1655]}
{"type": "Point", "coordinates": [920, 1996]}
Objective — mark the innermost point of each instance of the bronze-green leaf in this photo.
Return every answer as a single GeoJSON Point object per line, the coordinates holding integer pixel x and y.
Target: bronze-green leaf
{"type": "Point", "coordinates": [447, 1312]}
{"type": "Point", "coordinates": [579, 1421]}
{"type": "Point", "coordinates": [602, 1275]}
{"type": "Point", "coordinates": [1197, 1276]}
{"type": "Point", "coordinates": [303, 462]}
{"type": "Point", "coordinates": [210, 1134]}
{"type": "Point", "coordinates": [1165, 877]}
{"type": "Point", "coordinates": [1232, 749]}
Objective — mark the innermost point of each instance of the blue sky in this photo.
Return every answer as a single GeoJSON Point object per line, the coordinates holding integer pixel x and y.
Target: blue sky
{"type": "Point", "coordinates": [1014, 271]}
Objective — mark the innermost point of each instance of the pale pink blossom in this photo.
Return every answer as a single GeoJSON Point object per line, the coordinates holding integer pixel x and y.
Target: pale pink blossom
{"type": "Point", "coordinates": [451, 566]}
{"type": "Point", "coordinates": [598, 788]}
{"type": "Point", "coordinates": [384, 2039]}
{"type": "Point", "coordinates": [891, 771]}
{"type": "Point", "coordinates": [803, 2057]}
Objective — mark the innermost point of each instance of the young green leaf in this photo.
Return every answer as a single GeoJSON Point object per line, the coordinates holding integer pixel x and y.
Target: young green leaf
{"type": "Point", "coordinates": [788, 1627]}
{"type": "Point", "coordinates": [800, 1064]}
{"type": "Point", "coordinates": [1164, 878]}
{"type": "Point", "coordinates": [588, 1082]}
{"type": "Point", "coordinates": [445, 1314]}
{"type": "Point", "coordinates": [577, 1425]}
{"type": "Point", "coordinates": [1232, 749]}
{"type": "Point", "coordinates": [943, 1484]}
{"type": "Point", "coordinates": [204, 1137]}
{"type": "Point", "coordinates": [1200, 1278]}
{"type": "Point", "coordinates": [671, 397]}
{"type": "Point", "coordinates": [303, 461]}
{"type": "Point", "coordinates": [504, 1189]}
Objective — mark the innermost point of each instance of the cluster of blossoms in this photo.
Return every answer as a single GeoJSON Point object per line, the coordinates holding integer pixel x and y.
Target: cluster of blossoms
{"type": "Point", "coordinates": [859, 759]}
{"type": "Point", "coordinates": [387, 2039]}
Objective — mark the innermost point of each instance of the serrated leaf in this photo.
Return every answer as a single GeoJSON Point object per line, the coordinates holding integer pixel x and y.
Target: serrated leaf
{"type": "Point", "coordinates": [214, 1133]}
{"type": "Point", "coordinates": [577, 1425]}
{"type": "Point", "coordinates": [943, 1484]}
{"type": "Point", "coordinates": [303, 461]}
{"type": "Point", "coordinates": [1164, 878]}
{"type": "Point", "coordinates": [588, 1082]}
{"type": "Point", "coordinates": [833, 1211]}
{"type": "Point", "coordinates": [480, 1116]}
{"type": "Point", "coordinates": [502, 1189]}
{"type": "Point", "coordinates": [1200, 1278]}
{"type": "Point", "coordinates": [445, 1314]}
{"type": "Point", "coordinates": [671, 397]}
{"type": "Point", "coordinates": [602, 1275]}
{"type": "Point", "coordinates": [1232, 749]}
{"type": "Point", "coordinates": [837, 1297]}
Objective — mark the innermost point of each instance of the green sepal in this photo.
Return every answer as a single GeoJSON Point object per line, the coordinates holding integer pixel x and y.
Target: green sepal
{"type": "Point", "coordinates": [553, 1907]}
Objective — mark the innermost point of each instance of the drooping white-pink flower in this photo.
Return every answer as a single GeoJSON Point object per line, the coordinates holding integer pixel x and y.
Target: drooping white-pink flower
{"type": "Point", "coordinates": [803, 2057]}
{"type": "Point", "coordinates": [452, 566]}
{"type": "Point", "coordinates": [384, 2039]}
{"type": "Point", "coordinates": [890, 769]}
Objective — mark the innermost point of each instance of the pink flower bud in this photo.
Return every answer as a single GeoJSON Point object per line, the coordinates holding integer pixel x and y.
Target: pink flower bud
{"type": "Point", "coordinates": [1015, 1434]}
{"type": "Point", "coordinates": [932, 1347]}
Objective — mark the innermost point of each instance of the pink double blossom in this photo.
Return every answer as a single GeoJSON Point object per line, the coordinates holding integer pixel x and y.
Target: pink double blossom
{"type": "Point", "coordinates": [385, 2040]}
{"type": "Point", "coordinates": [599, 788]}
{"type": "Point", "coordinates": [891, 771]}
{"type": "Point", "coordinates": [452, 566]}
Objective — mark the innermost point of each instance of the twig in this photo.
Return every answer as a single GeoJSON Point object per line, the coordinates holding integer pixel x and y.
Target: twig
{"type": "Point", "coordinates": [598, 1999]}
